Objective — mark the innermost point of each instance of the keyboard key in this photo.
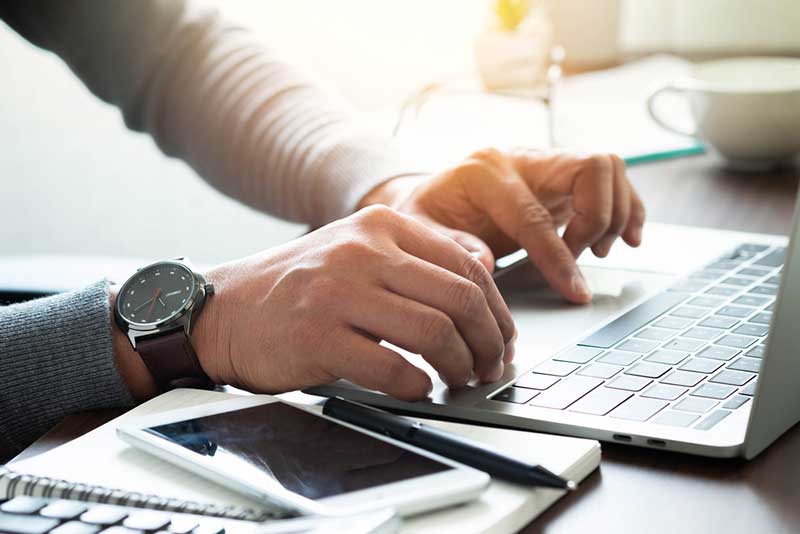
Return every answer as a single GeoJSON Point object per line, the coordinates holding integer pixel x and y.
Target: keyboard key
{"type": "Point", "coordinates": [770, 307]}
{"type": "Point", "coordinates": [752, 271]}
{"type": "Point", "coordinates": [118, 529]}
{"type": "Point", "coordinates": [619, 357]}
{"type": "Point", "coordinates": [713, 391]}
{"type": "Point", "coordinates": [708, 274]}
{"type": "Point", "coordinates": [515, 395]}
{"type": "Point", "coordinates": [674, 323]}
{"type": "Point", "coordinates": [667, 357]}
{"type": "Point", "coordinates": [712, 420]}
{"type": "Point", "coordinates": [715, 321]}
{"type": "Point", "coordinates": [684, 344]}
{"type": "Point", "coordinates": [630, 322]}
{"type": "Point", "coordinates": [209, 528]}
{"type": "Point", "coordinates": [700, 365]}
{"type": "Point", "coordinates": [752, 329]}
{"type": "Point", "coordinates": [761, 318]}
{"type": "Point", "coordinates": [146, 520]}
{"type": "Point", "coordinates": [737, 281]}
{"type": "Point", "coordinates": [751, 300]}
{"type": "Point", "coordinates": [638, 409]}
{"type": "Point", "coordinates": [629, 383]}
{"type": "Point", "coordinates": [637, 345]}
{"type": "Point", "coordinates": [741, 342]}
{"type": "Point", "coordinates": [750, 365]}
{"type": "Point", "coordinates": [776, 280]}
{"type": "Point", "coordinates": [706, 302]}
{"type": "Point", "coordinates": [749, 389]}
{"type": "Point", "coordinates": [566, 392]}
{"type": "Point", "coordinates": [765, 290]}
{"type": "Point", "coordinates": [76, 527]}
{"type": "Point", "coordinates": [673, 418]}
{"type": "Point", "coordinates": [25, 524]}
{"type": "Point", "coordinates": [655, 334]}
{"type": "Point", "coordinates": [734, 311]}
{"type": "Point", "coordinates": [735, 402]}
{"type": "Point", "coordinates": [683, 378]}
{"type": "Point", "coordinates": [551, 367]}
{"type": "Point", "coordinates": [104, 515]}
{"type": "Point", "coordinates": [773, 259]}
{"type": "Point", "coordinates": [698, 332]}
{"type": "Point", "coordinates": [577, 354]}
{"type": "Point", "coordinates": [536, 381]}
{"type": "Point", "coordinates": [724, 265]}
{"type": "Point", "coordinates": [23, 505]}
{"type": "Point", "coordinates": [181, 524]}
{"type": "Point", "coordinates": [648, 370]}
{"type": "Point", "coordinates": [689, 286]}
{"type": "Point", "coordinates": [64, 510]}
{"type": "Point", "coordinates": [715, 352]}
{"type": "Point", "coordinates": [752, 247]}
{"type": "Point", "coordinates": [600, 401]}
{"type": "Point", "coordinates": [689, 312]}
{"type": "Point", "coordinates": [756, 352]}
{"type": "Point", "coordinates": [695, 405]}
{"type": "Point", "coordinates": [600, 370]}
{"type": "Point", "coordinates": [734, 378]}
{"type": "Point", "coordinates": [723, 291]}
{"type": "Point", "coordinates": [664, 392]}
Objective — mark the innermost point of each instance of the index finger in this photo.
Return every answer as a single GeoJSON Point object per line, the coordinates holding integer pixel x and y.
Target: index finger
{"type": "Point", "coordinates": [520, 215]}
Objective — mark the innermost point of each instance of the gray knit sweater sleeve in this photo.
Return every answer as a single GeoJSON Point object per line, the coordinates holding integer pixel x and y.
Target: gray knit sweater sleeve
{"type": "Point", "coordinates": [55, 359]}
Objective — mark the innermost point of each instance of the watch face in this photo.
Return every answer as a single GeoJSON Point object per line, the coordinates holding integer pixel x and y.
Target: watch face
{"type": "Point", "coordinates": [156, 294]}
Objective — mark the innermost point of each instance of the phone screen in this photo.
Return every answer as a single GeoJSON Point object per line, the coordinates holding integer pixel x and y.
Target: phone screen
{"type": "Point", "coordinates": [306, 454]}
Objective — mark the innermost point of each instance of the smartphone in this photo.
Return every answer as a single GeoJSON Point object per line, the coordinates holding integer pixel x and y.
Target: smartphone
{"type": "Point", "coordinates": [302, 461]}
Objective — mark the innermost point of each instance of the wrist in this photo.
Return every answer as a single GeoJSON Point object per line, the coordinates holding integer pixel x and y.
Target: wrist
{"type": "Point", "coordinates": [130, 366]}
{"type": "Point", "coordinates": [392, 192]}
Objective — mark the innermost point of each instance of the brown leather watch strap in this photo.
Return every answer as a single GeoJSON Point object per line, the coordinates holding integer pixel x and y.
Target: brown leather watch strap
{"type": "Point", "coordinates": [173, 362]}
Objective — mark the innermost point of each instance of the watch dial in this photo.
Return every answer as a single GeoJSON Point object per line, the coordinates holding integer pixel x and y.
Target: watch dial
{"type": "Point", "coordinates": [155, 294]}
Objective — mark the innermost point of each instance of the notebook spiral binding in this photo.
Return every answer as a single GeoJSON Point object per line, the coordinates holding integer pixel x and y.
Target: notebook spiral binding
{"type": "Point", "coordinates": [15, 484]}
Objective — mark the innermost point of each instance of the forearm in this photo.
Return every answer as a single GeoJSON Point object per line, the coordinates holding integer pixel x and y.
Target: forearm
{"type": "Point", "coordinates": [56, 358]}
{"type": "Point", "coordinates": [210, 94]}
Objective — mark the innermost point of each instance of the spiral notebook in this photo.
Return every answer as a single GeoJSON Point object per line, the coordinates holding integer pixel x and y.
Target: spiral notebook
{"type": "Point", "coordinates": [100, 467]}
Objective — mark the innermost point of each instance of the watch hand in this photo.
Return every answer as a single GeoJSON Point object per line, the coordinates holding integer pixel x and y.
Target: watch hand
{"type": "Point", "coordinates": [176, 292]}
{"type": "Point", "coordinates": [162, 302]}
{"type": "Point", "coordinates": [142, 305]}
{"type": "Point", "coordinates": [152, 305]}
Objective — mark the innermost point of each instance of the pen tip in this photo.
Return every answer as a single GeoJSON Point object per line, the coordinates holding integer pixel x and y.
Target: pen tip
{"type": "Point", "coordinates": [571, 486]}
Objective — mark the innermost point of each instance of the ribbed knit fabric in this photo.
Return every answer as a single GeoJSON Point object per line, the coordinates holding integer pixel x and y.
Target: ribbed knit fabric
{"type": "Point", "coordinates": [55, 359]}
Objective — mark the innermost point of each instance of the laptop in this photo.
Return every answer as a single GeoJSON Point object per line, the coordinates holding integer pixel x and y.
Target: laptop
{"type": "Point", "coordinates": [691, 345]}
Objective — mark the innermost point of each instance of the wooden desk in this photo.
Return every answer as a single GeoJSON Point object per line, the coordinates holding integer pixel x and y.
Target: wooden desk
{"type": "Point", "coordinates": [639, 490]}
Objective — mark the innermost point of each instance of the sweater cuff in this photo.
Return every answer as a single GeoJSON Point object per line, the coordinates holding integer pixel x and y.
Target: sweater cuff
{"type": "Point", "coordinates": [56, 359]}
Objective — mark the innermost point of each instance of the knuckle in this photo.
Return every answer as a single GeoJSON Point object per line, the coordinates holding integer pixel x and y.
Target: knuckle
{"type": "Point", "coordinates": [376, 215]}
{"type": "Point", "coordinates": [467, 297]}
{"type": "Point", "coordinates": [487, 154]}
{"type": "Point", "coordinates": [534, 217]}
{"type": "Point", "coordinates": [437, 329]}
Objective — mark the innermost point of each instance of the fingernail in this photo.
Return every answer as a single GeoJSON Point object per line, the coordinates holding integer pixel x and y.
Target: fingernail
{"type": "Point", "coordinates": [579, 287]}
{"type": "Point", "coordinates": [476, 253]}
{"type": "Point", "coordinates": [508, 355]}
{"type": "Point", "coordinates": [496, 375]}
{"type": "Point", "coordinates": [637, 235]}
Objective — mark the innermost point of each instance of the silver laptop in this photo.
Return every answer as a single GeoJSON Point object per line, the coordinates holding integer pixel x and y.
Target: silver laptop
{"type": "Point", "coordinates": [705, 363]}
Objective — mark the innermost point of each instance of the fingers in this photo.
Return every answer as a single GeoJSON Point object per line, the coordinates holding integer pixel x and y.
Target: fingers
{"type": "Point", "coordinates": [368, 364]}
{"type": "Point", "coordinates": [620, 211]}
{"type": "Point", "coordinates": [593, 202]}
{"type": "Point", "coordinates": [633, 231]}
{"type": "Point", "coordinates": [431, 288]}
{"type": "Point", "coordinates": [419, 241]}
{"type": "Point", "coordinates": [517, 212]}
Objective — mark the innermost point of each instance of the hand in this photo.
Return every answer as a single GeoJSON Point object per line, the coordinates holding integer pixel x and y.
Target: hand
{"type": "Point", "coordinates": [494, 203]}
{"type": "Point", "coordinates": [315, 309]}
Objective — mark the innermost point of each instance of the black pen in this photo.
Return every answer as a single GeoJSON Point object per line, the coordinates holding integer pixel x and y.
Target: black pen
{"type": "Point", "coordinates": [449, 445]}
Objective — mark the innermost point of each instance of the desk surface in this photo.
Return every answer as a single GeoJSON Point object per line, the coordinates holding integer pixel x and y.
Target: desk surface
{"type": "Point", "coordinates": [639, 490]}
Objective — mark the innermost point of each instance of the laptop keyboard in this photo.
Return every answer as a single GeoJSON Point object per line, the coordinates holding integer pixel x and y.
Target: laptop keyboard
{"type": "Point", "coordinates": [34, 515]}
{"type": "Point", "coordinates": [687, 357]}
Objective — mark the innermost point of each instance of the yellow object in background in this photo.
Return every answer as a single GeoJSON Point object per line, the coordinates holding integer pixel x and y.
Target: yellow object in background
{"type": "Point", "coordinates": [511, 12]}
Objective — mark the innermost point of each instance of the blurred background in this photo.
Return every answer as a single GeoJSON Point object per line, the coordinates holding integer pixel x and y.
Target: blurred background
{"type": "Point", "coordinates": [73, 180]}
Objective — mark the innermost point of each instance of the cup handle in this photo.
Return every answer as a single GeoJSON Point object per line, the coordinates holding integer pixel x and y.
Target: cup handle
{"type": "Point", "coordinates": [651, 109]}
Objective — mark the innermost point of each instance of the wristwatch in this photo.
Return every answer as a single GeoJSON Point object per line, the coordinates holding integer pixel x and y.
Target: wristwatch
{"type": "Point", "coordinates": [156, 308]}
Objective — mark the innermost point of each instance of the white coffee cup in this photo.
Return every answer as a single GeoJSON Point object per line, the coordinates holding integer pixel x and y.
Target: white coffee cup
{"type": "Point", "coordinates": [747, 108]}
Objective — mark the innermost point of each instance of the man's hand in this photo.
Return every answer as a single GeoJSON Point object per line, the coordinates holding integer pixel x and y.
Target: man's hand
{"type": "Point", "coordinates": [493, 203]}
{"type": "Point", "coordinates": [315, 309]}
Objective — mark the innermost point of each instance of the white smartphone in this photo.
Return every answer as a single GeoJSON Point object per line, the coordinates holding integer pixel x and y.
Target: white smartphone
{"type": "Point", "coordinates": [291, 456]}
